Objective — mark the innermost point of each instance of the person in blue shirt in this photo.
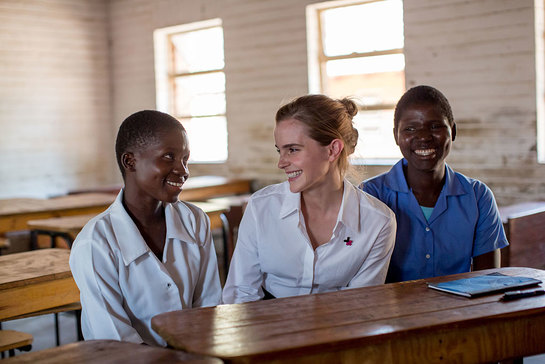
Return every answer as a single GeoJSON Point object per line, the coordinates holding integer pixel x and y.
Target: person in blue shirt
{"type": "Point", "coordinates": [446, 222]}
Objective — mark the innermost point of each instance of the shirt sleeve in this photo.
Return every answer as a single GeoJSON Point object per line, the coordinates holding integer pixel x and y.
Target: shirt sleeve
{"type": "Point", "coordinates": [245, 279]}
{"type": "Point", "coordinates": [95, 270]}
{"type": "Point", "coordinates": [489, 233]}
{"type": "Point", "coordinates": [375, 267]}
{"type": "Point", "coordinates": [208, 288]}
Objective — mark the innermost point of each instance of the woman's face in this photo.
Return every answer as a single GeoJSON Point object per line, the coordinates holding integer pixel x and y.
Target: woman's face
{"type": "Point", "coordinates": [305, 162]}
{"type": "Point", "coordinates": [160, 168]}
{"type": "Point", "coordinates": [424, 137]}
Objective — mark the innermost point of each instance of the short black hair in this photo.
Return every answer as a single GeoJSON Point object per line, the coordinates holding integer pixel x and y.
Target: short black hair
{"type": "Point", "coordinates": [139, 130]}
{"type": "Point", "coordinates": [423, 95]}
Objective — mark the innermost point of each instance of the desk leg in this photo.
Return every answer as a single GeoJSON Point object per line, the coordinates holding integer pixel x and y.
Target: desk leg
{"type": "Point", "coordinates": [33, 240]}
{"type": "Point", "coordinates": [226, 242]}
{"type": "Point", "coordinates": [78, 325]}
{"type": "Point", "coordinates": [233, 217]}
{"type": "Point", "coordinates": [57, 335]}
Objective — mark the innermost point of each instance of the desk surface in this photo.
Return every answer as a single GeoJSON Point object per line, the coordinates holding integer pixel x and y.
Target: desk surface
{"type": "Point", "coordinates": [16, 212]}
{"type": "Point", "coordinates": [401, 322]}
{"type": "Point", "coordinates": [520, 209]}
{"type": "Point", "coordinates": [108, 352]}
{"type": "Point", "coordinates": [34, 281]}
{"type": "Point", "coordinates": [197, 188]}
{"type": "Point", "coordinates": [73, 224]}
{"type": "Point", "coordinates": [205, 187]}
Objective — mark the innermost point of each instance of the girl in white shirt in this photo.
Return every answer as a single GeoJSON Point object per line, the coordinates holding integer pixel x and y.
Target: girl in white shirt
{"type": "Point", "coordinates": [148, 253]}
{"type": "Point", "coordinates": [315, 232]}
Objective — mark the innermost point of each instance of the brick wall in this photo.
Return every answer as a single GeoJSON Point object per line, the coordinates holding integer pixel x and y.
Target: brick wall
{"type": "Point", "coordinates": [480, 53]}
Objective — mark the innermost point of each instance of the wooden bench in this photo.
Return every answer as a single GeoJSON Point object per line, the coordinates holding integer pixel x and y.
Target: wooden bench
{"type": "Point", "coordinates": [108, 352]}
{"type": "Point", "coordinates": [11, 340]}
{"type": "Point", "coordinates": [524, 225]}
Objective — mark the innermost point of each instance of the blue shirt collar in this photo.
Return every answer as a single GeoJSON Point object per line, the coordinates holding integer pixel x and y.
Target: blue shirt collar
{"type": "Point", "coordinates": [396, 180]}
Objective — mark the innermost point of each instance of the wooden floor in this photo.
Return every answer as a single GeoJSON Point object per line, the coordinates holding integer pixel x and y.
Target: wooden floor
{"type": "Point", "coordinates": [43, 330]}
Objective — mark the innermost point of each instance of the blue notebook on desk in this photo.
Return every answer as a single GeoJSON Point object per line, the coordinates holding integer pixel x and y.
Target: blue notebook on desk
{"type": "Point", "coordinates": [479, 285]}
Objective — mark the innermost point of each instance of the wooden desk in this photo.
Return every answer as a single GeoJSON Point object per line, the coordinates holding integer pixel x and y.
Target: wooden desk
{"type": "Point", "coordinates": [392, 323]}
{"type": "Point", "coordinates": [109, 352]}
{"type": "Point", "coordinates": [16, 212]}
{"type": "Point", "coordinates": [69, 226]}
{"type": "Point", "coordinates": [34, 281]}
{"type": "Point", "coordinates": [199, 188]}
{"type": "Point", "coordinates": [202, 188]}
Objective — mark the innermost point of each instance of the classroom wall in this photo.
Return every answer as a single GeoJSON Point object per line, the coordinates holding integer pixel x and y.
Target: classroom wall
{"type": "Point", "coordinates": [480, 53]}
{"type": "Point", "coordinates": [265, 65]}
{"type": "Point", "coordinates": [55, 117]}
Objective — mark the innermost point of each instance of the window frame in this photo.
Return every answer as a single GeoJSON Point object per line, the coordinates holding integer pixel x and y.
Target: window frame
{"type": "Point", "coordinates": [539, 24]}
{"type": "Point", "coordinates": [318, 61]}
{"type": "Point", "coordinates": [166, 75]}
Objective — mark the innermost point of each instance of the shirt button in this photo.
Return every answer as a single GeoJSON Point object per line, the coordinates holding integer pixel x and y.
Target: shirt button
{"type": "Point", "coordinates": [427, 228]}
{"type": "Point", "coordinates": [428, 256]}
{"type": "Point", "coordinates": [168, 285]}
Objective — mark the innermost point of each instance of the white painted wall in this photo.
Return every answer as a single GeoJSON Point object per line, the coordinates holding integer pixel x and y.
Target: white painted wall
{"type": "Point", "coordinates": [55, 119]}
{"type": "Point", "coordinates": [96, 68]}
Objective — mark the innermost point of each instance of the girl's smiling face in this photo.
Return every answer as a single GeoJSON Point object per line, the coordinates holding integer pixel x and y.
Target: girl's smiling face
{"type": "Point", "coordinates": [424, 136]}
{"type": "Point", "coordinates": [305, 161]}
{"type": "Point", "coordinates": [160, 168]}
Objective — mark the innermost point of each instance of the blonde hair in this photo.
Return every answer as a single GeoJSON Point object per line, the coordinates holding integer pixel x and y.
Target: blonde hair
{"type": "Point", "coordinates": [326, 119]}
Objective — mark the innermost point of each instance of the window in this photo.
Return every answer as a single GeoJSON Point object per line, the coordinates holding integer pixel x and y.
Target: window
{"type": "Point", "coordinates": [540, 77]}
{"type": "Point", "coordinates": [190, 83]}
{"type": "Point", "coordinates": [356, 50]}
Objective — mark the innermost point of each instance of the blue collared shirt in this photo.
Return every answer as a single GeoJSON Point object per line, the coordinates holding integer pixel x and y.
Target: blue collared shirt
{"type": "Point", "coordinates": [465, 223]}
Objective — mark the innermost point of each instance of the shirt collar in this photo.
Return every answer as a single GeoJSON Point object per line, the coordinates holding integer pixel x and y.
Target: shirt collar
{"type": "Point", "coordinates": [175, 227]}
{"type": "Point", "coordinates": [349, 211]}
{"type": "Point", "coordinates": [395, 180]}
{"type": "Point", "coordinates": [291, 203]}
{"type": "Point", "coordinates": [131, 243]}
{"type": "Point", "coordinates": [350, 207]}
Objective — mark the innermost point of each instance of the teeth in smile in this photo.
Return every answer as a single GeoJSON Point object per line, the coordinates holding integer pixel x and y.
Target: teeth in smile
{"type": "Point", "coordinates": [424, 152]}
{"type": "Point", "coordinates": [175, 184]}
{"type": "Point", "coordinates": [294, 174]}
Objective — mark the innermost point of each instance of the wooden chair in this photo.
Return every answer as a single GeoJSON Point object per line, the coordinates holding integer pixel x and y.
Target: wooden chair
{"type": "Point", "coordinates": [11, 340]}
{"type": "Point", "coordinates": [526, 234]}
{"type": "Point", "coordinates": [231, 220]}
{"type": "Point", "coordinates": [4, 244]}
{"type": "Point", "coordinates": [525, 229]}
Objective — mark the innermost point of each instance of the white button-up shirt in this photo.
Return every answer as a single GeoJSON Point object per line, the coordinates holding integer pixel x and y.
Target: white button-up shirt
{"type": "Point", "coordinates": [273, 249]}
{"type": "Point", "coordinates": [122, 283]}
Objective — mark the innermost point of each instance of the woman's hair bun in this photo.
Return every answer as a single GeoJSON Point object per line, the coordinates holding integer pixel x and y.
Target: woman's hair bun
{"type": "Point", "coordinates": [350, 106]}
